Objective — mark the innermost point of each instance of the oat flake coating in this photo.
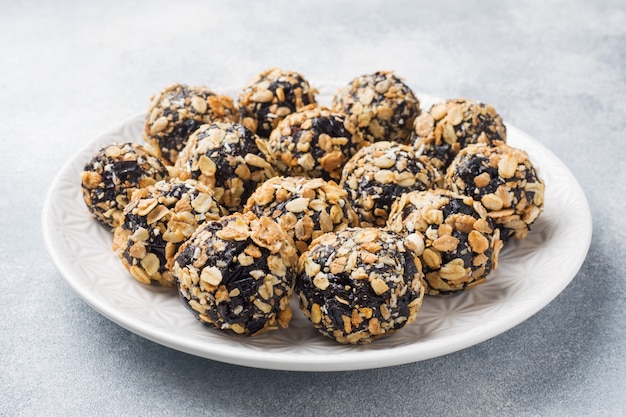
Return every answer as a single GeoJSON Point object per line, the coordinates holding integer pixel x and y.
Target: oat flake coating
{"type": "Point", "coordinates": [377, 175]}
{"type": "Point", "coordinates": [453, 236]}
{"type": "Point", "coordinates": [111, 176]}
{"type": "Point", "coordinates": [360, 284]}
{"type": "Point", "coordinates": [304, 207]}
{"type": "Point", "coordinates": [272, 95]}
{"type": "Point", "coordinates": [177, 111]}
{"type": "Point", "coordinates": [314, 142]}
{"type": "Point", "coordinates": [448, 127]}
{"type": "Point", "coordinates": [380, 105]}
{"type": "Point", "coordinates": [228, 158]}
{"type": "Point", "coordinates": [156, 222]}
{"type": "Point", "coordinates": [505, 180]}
{"type": "Point", "coordinates": [237, 274]}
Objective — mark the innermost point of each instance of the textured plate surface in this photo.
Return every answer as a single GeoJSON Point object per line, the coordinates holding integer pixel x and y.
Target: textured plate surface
{"type": "Point", "coordinates": [531, 273]}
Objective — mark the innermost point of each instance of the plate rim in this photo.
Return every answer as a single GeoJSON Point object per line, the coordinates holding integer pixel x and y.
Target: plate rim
{"type": "Point", "coordinates": [304, 361]}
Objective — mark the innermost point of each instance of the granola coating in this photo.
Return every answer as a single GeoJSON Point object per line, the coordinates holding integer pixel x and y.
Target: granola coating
{"type": "Point", "coordinates": [305, 208]}
{"type": "Point", "coordinates": [270, 96]}
{"type": "Point", "coordinates": [314, 142]}
{"type": "Point", "coordinates": [453, 236]}
{"type": "Point", "coordinates": [111, 176]}
{"type": "Point", "coordinates": [178, 110]}
{"type": "Point", "coordinates": [227, 157]}
{"type": "Point", "coordinates": [504, 180]}
{"type": "Point", "coordinates": [359, 284]}
{"type": "Point", "coordinates": [380, 105]}
{"type": "Point", "coordinates": [156, 222]}
{"type": "Point", "coordinates": [379, 174]}
{"type": "Point", "coordinates": [448, 127]}
{"type": "Point", "coordinates": [237, 274]}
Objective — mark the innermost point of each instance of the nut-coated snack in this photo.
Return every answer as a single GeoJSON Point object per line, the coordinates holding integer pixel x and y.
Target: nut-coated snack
{"type": "Point", "coordinates": [504, 180]}
{"type": "Point", "coordinates": [453, 236]}
{"type": "Point", "coordinates": [227, 157]}
{"type": "Point", "coordinates": [360, 284]}
{"type": "Point", "coordinates": [237, 274]}
{"type": "Point", "coordinates": [304, 207]}
{"type": "Point", "coordinates": [156, 222]}
{"type": "Point", "coordinates": [111, 176]}
{"type": "Point", "coordinates": [379, 174]}
{"type": "Point", "coordinates": [178, 110]}
{"type": "Point", "coordinates": [380, 105]}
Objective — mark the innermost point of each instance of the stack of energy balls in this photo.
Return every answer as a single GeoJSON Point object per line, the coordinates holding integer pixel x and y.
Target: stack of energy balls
{"type": "Point", "coordinates": [361, 208]}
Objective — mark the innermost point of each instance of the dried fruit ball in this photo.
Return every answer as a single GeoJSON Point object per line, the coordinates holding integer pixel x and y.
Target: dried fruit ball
{"type": "Point", "coordinates": [111, 176]}
{"type": "Point", "coordinates": [156, 222]}
{"type": "Point", "coordinates": [272, 95]}
{"type": "Point", "coordinates": [455, 239]}
{"type": "Point", "coordinates": [380, 105]}
{"type": "Point", "coordinates": [313, 142]}
{"type": "Point", "coordinates": [305, 208]}
{"type": "Point", "coordinates": [379, 174]}
{"type": "Point", "coordinates": [359, 284]}
{"type": "Point", "coordinates": [504, 180]}
{"type": "Point", "coordinates": [237, 274]}
{"type": "Point", "coordinates": [448, 127]}
{"type": "Point", "coordinates": [178, 110]}
{"type": "Point", "coordinates": [228, 158]}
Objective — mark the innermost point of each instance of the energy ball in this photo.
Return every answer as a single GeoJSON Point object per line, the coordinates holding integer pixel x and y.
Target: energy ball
{"type": "Point", "coordinates": [237, 274]}
{"type": "Point", "coordinates": [228, 158]}
{"type": "Point", "coordinates": [380, 105]}
{"type": "Point", "coordinates": [305, 208]}
{"type": "Point", "coordinates": [359, 284]}
{"type": "Point", "coordinates": [448, 127]}
{"type": "Point", "coordinates": [156, 222]}
{"type": "Point", "coordinates": [314, 142]}
{"type": "Point", "coordinates": [177, 111]}
{"type": "Point", "coordinates": [452, 234]}
{"type": "Point", "coordinates": [272, 95]}
{"type": "Point", "coordinates": [111, 176]}
{"type": "Point", "coordinates": [504, 180]}
{"type": "Point", "coordinates": [379, 174]}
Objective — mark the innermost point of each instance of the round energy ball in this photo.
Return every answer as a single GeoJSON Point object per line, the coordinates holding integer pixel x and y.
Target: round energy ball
{"type": "Point", "coordinates": [380, 105]}
{"type": "Point", "coordinates": [313, 142]}
{"type": "Point", "coordinates": [272, 95]}
{"type": "Point", "coordinates": [504, 180]}
{"type": "Point", "coordinates": [304, 207]}
{"type": "Point", "coordinates": [448, 127]}
{"type": "Point", "coordinates": [156, 222]}
{"type": "Point", "coordinates": [178, 110]}
{"type": "Point", "coordinates": [111, 176]}
{"type": "Point", "coordinates": [237, 274]}
{"type": "Point", "coordinates": [359, 284]}
{"type": "Point", "coordinates": [228, 158]}
{"type": "Point", "coordinates": [455, 239]}
{"type": "Point", "coordinates": [379, 174]}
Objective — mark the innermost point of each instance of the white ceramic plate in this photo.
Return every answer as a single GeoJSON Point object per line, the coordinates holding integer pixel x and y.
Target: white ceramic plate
{"type": "Point", "coordinates": [531, 273]}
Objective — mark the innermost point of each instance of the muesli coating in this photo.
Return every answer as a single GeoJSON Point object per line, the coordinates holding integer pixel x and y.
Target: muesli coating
{"type": "Point", "coordinates": [156, 222]}
{"type": "Point", "coordinates": [453, 236]}
{"type": "Point", "coordinates": [110, 177]}
{"type": "Point", "coordinates": [379, 174]}
{"type": "Point", "coordinates": [505, 181]}
{"type": "Point", "coordinates": [178, 110]}
{"type": "Point", "coordinates": [447, 127]}
{"type": "Point", "coordinates": [272, 95]}
{"type": "Point", "coordinates": [237, 274]}
{"type": "Point", "coordinates": [359, 284]}
{"type": "Point", "coordinates": [314, 142]}
{"type": "Point", "coordinates": [228, 158]}
{"type": "Point", "coordinates": [380, 105]}
{"type": "Point", "coordinates": [304, 207]}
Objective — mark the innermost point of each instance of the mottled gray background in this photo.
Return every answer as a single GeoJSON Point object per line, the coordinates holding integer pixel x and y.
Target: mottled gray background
{"type": "Point", "coordinates": [71, 69]}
